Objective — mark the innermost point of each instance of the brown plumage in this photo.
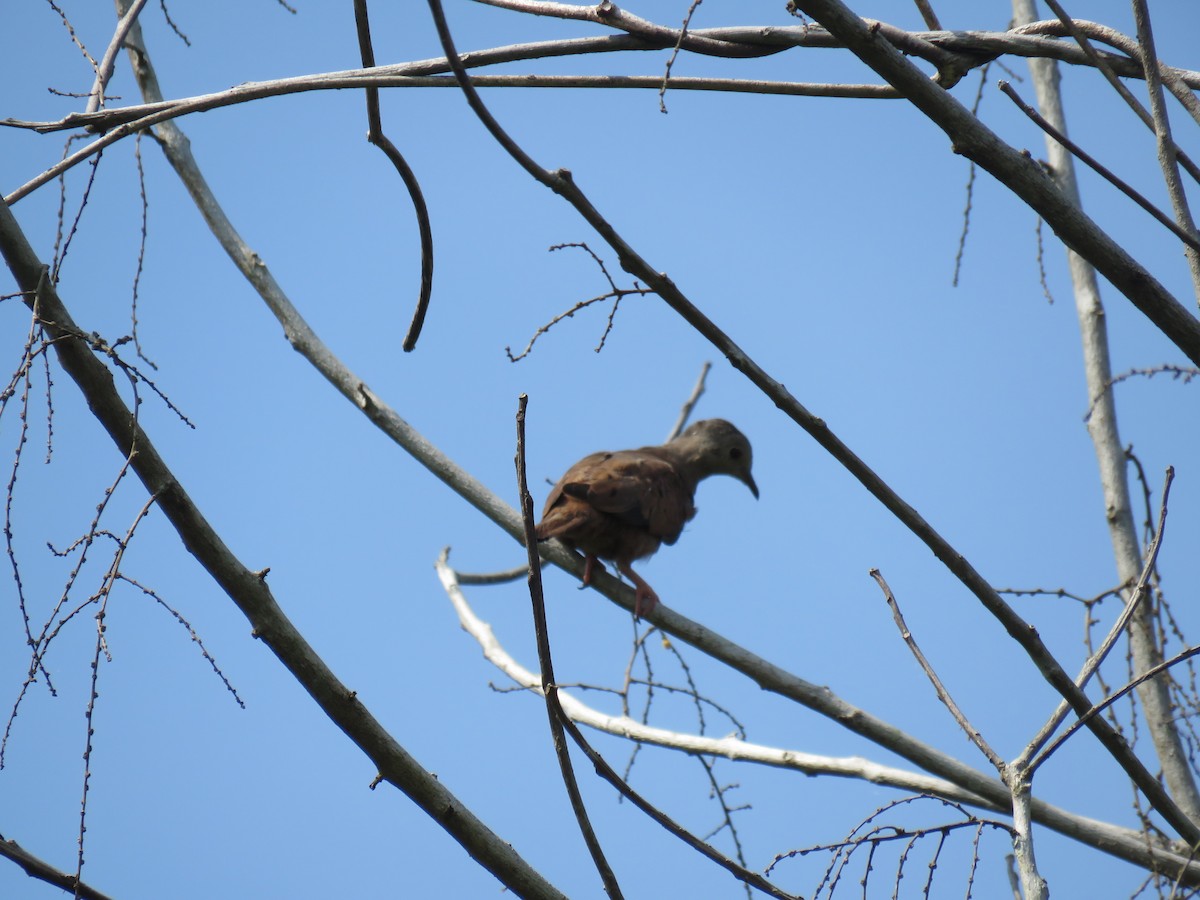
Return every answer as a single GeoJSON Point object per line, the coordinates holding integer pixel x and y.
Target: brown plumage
{"type": "Point", "coordinates": [622, 505]}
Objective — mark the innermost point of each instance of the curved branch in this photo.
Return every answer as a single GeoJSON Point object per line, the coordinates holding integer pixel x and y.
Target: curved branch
{"type": "Point", "coordinates": [1027, 41]}
{"type": "Point", "coordinates": [376, 136]}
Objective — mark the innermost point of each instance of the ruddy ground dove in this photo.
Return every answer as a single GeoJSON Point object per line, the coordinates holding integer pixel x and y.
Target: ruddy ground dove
{"type": "Point", "coordinates": [622, 505]}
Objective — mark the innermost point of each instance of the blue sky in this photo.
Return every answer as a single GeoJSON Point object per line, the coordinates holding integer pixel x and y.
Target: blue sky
{"type": "Point", "coordinates": [820, 234]}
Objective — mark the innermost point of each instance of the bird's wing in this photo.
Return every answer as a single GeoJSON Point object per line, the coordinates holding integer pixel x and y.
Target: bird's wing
{"type": "Point", "coordinates": [581, 468]}
{"type": "Point", "coordinates": [636, 487]}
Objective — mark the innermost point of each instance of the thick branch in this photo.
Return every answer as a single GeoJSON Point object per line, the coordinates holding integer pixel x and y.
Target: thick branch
{"type": "Point", "coordinates": [1021, 174]}
{"type": "Point", "coordinates": [248, 590]}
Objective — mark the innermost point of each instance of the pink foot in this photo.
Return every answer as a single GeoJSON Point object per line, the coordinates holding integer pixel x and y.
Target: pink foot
{"type": "Point", "coordinates": [590, 564]}
{"type": "Point", "coordinates": [645, 599]}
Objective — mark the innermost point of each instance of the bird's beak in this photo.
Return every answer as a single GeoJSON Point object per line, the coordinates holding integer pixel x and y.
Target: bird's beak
{"type": "Point", "coordinates": [749, 482]}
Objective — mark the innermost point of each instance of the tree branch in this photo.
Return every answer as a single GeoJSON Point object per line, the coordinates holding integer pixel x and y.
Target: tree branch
{"type": "Point", "coordinates": [249, 591]}
{"type": "Point", "coordinates": [548, 684]}
{"type": "Point", "coordinates": [376, 136]}
{"type": "Point", "coordinates": [1120, 842]}
{"type": "Point", "coordinates": [38, 868]}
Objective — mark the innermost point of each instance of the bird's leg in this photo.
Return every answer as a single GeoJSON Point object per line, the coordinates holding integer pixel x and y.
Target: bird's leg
{"type": "Point", "coordinates": [644, 597]}
{"type": "Point", "coordinates": [590, 564]}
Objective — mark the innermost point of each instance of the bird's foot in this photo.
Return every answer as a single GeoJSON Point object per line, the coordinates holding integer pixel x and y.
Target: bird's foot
{"type": "Point", "coordinates": [644, 602]}
{"type": "Point", "coordinates": [590, 564]}
{"type": "Point", "coordinates": [644, 598]}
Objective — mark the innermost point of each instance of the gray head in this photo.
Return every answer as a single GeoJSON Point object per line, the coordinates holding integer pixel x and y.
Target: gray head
{"type": "Point", "coordinates": [716, 447]}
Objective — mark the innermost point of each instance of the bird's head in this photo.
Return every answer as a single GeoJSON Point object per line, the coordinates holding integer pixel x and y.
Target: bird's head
{"type": "Point", "coordinates": [716, 447]}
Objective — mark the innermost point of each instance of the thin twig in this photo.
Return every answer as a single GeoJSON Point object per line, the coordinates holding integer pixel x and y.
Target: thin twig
{"type": "Point", "coordinates": [944, 695]}
{"type": "Point", "coordinates": [931, 20]}
{"type": "Point", "coordinates": [376, 136]}
{"type": "Point", "coordinates": [1094, 662]}
{"type": "Point", "coordinates": [1102, 65]}
{"type": "Point", "coordinates": [690, 404]}
{"type": "Point", "coordinates": [549, 688]}
{"type": "Point", "coordinates": [1177, 373]}
{"type": "Point", "coordinates": [1099, 169]}
{"type": "Point", "coordinates": [970, 189]}
{"type": "Point", "coordinates": [104, 70]}
{"type": "Point", "coordinates": [1162, 132]}
{"type": "Point", "coordinates": [666, 79]}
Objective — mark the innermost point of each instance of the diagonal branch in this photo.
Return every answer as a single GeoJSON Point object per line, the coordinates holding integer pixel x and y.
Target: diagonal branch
{"type": "Point", "coordinates": [1090, 667]}
{"type": "Point", "coordinates": [973, 733]}
{"type": "Point", "coordinates": [1188, 237]}
{"type": "Point", "coordinates": [1019, 173]}
{"type": "Point", "coordinates": [1121, 842]}
{"type": "Point", "coordinates": [38, 868]}
{"type": "Point", "coordinates": [1162, 132]}
{"type": "Point", "coordinates": [249, 590]}
{"type": "Point", "coordinates": [1108, 701]}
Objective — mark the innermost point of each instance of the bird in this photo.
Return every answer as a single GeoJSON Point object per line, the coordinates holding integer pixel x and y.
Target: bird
{"type": "Point", "coordinates": [621, 506]}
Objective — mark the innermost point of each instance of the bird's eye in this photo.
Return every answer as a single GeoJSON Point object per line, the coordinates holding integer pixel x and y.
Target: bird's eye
{"type": "Point", "coordinates": [735, 452]}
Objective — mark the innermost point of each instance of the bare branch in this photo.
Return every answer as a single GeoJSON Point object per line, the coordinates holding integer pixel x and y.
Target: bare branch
{"type": "Point", "coordinates": [1096, 659]}
{"type": "Point", "coordinates": [988, 793]}
{"type": "Point", "coordinates": [1162, 131]}
{"type": "Point", "coordinates": [1033, 884]}
{"type": "Point", "coordinates": [251, 593]}
{"type": "Point", "coordinates": [1110, 453]}
{"type": "Point", "coordinates": [1163, 219]}
{"type": "Point", "coordinates": [690, 404]}
{"type": "Point", "coordinates": [549, 688]}
{"type": "Point", "coordinates": [376, 136]}
{"type": "Point", "coordinates": [928, 15]}
{"type": "Point", "coordinates": [1106, 70]}
{"type": "Point", "coordinates": [43, 871]}
{"type": "Point", "coordinates": [104, 71]}
{"type": "Point", "coordinates": [944, 695]}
